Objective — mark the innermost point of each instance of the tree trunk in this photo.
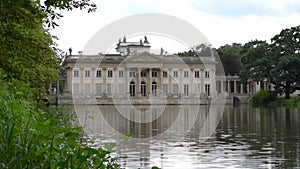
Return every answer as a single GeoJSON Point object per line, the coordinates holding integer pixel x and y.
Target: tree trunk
{"type": "Point", "coordinates": [287, 90]}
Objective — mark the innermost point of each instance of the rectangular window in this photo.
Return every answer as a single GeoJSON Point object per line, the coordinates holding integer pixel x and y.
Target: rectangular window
{"type": "Point", "coordinates": [175, 74]}
{"type": "Point", "coordinates": [132, 74]}
{"type": "Point", "coordinates": [109, 89]}
{"type": "Point", "coordinates": [121, 89]}
{"type": "Point", "coordinates": [87, 89]}
{"type": "Point", "coordinates": [175, 89]}
{"type": "Point", "coordinates": [186, 90]}
{"type": "Point", "coordinates": [197, 89]}
{"type": "Point", "coordinates": [98, 89]}
{"type": "Point", "coordinates": [186, 73]}
{"type": "Point", "coordinates": [87, 73]}
{"type": "Point", "coordinates": [197, 74]}
{"type": "Point", "coordinates": [121, 73]}
{"type": "Point", "coordinates": [165, 89]}
{"type": "Point", "coordinates": [207, 90]}
{"type": "Point", "coordinates": [75, 89]}
{"type": "Point", "coordinates": [143, 74]}
{"type": "Point", "coordinates": [109, 73]}
{"type": "Point", "coordinates": [99, 73]}
{"type": "Point", "coordinates": [154, 74]}
{"type": "Point", "coordinates": [165, 74]}
{"type": "Point", "coordinates": [206, 74]}
{"type": "Point", "coordinates": [76, 73]}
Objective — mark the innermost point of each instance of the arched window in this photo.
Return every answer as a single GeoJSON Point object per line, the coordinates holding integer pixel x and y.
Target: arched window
{"type": "Point", "coordinates": [132, 89]}
{"type": "Point", "coordinates": [143, 88]}
{"type": "Point", "coordinates": [154, 88]}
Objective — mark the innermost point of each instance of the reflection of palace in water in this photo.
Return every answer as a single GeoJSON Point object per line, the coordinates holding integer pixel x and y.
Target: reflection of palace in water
{"type": "Point", "coordinates": [143, 121]}
{"type": "Point", "coordinates": [144, 124]}
{"type": "Point", "coordinates": [267, 133]}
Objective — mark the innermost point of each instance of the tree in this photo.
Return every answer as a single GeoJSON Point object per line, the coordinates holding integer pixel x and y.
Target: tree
{"type": "Point", "coordinates": [285, 50]}
{"type": "Point", "coordinates": [50, 7]}
{"type": "Point", "coordinates": [278, 62]}
{"type": "Point", "coordinates": [256, 61]}
{"type": "Point", "coordinates": [230, 58]}
{"type": "Point", "coordinates": [27, 50]}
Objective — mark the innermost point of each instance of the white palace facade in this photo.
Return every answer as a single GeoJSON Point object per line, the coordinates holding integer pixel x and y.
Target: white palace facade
{"type": "Point", "coordinates": [135, 73]}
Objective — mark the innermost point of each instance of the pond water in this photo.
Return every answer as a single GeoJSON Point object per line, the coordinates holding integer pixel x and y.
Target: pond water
{"type": "Point", "coordinates": [196, 136]}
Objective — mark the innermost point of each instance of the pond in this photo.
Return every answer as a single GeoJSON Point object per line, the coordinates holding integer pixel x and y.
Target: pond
{"type": "Point", "coordinates": [191, 136]}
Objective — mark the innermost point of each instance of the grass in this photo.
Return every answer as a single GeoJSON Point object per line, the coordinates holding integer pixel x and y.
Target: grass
{"type": "Point", "coordinates": [282, 102]}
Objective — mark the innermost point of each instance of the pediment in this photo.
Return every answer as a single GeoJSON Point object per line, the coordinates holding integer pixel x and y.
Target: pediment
{"type": "Point", "coordinates": [144, 57]}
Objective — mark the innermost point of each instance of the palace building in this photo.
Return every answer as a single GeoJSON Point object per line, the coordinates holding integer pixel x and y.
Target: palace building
{"type": "Point", "coordinates": [136, 73]}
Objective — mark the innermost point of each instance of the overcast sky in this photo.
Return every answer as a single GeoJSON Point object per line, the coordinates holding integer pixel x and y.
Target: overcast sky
{"type": "Point", "coordinates": [221, 21]}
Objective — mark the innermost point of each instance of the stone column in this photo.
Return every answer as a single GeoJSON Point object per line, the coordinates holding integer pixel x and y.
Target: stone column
{"type": "Point", "coordinates": [115, 81]}
{"type": "Point", "coordinates": [127, 82]}
{"type": "Point", "coordinates": [213, 83]}
{"type": "Point", "coordinates": [248, 88]}
{"type": "Point", "coordinates": [149, 82]}
{"type": "Point", "coordinates": [104, 74]}
{"type": "Point", "coordinates": [160, 80]}
{"type": "Point", "coordinates": [81, 83]}
{"type": "Point", "coordinates": [180, 75]}
{"type": "Point", "coordinates": [242, 89]}
{"type": "Point", "coordinates": [202, 84]}
{"type": "Point", "coordinates": [138, 82]}
{"type": "Point", "coordinates": [222, 86]}
{"type": "Point", "coordinates": [93, 75]}
{"type": "Point", "coordinates": [234, 87]}
{"type": "Point", "coordinates": [192, 83]}
{"type": "Point", "coordinates": [69, 80]}
{"type": "Point", "coordinates": [170, 75]}
{"type": "Point", "coordinates": [228, 86]}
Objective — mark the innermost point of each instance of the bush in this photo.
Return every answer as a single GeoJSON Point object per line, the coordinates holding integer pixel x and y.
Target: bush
{"type": "Point", "coordinates": [262, 98]}
{"type": "Point", "coordinates": [32, 137]}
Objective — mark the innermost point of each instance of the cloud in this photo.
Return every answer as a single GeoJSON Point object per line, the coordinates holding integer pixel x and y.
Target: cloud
{"type": "Point", "coordinates": [237, 8]}
{"type": "Point", "coordinates": [221, 21]}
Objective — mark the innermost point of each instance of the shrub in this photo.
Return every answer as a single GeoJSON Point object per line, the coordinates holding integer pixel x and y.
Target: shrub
{"type": "Point", "coordinates": [262, 98]}
{"type": "Point", "coordinates": [31, 137]}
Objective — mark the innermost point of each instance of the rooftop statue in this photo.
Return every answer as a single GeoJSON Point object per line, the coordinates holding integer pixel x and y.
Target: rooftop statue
{"type": "Point", "coordinates": [146, 40]}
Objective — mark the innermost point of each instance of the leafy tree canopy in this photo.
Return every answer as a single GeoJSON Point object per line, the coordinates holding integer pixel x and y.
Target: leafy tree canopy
{"type": "Point", "coordinates": [285, 51]}
{"type": "Point", "coordinates": [27, 50]}
{"type": "Point", "coordinates": [255, 60]}
{"type": "Point", "coordinates": [278, 62]}
{"type": "Point", "coordinates": [230, 58]}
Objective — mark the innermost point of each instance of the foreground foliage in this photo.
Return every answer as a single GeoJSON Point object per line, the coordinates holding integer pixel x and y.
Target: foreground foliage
{"type": "Point", "coordinates": [32, 137]}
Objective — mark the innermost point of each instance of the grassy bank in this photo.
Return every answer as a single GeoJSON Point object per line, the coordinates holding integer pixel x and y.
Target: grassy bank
{"type": "Point", "coordinates": [292, 102]}
{"type": "Point", "coordinates": [268, 98]}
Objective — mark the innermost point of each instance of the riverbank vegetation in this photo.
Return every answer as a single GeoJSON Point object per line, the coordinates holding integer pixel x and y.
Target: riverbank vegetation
{"type": "Point", "coordinates": [277, 62]}
{"type": "Point", "coordinates": [31, 135]}
{"type": "Point", "coordinates": [282, 102]}
{"type": "Point", "coordinates": [268, 98]}
{"type": "Point", "coordinates": [262, 98]}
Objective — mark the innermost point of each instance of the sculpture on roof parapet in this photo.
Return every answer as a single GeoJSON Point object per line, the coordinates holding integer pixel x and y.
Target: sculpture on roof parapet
{"type": "Point", "coordinates": [146, 39]}
{"type": "Point", "coordinates": [70, 51]}
{"type": "Point", "coordinates": [161, 51]}
{"type": "Point", "coordinates": [124, 39]}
